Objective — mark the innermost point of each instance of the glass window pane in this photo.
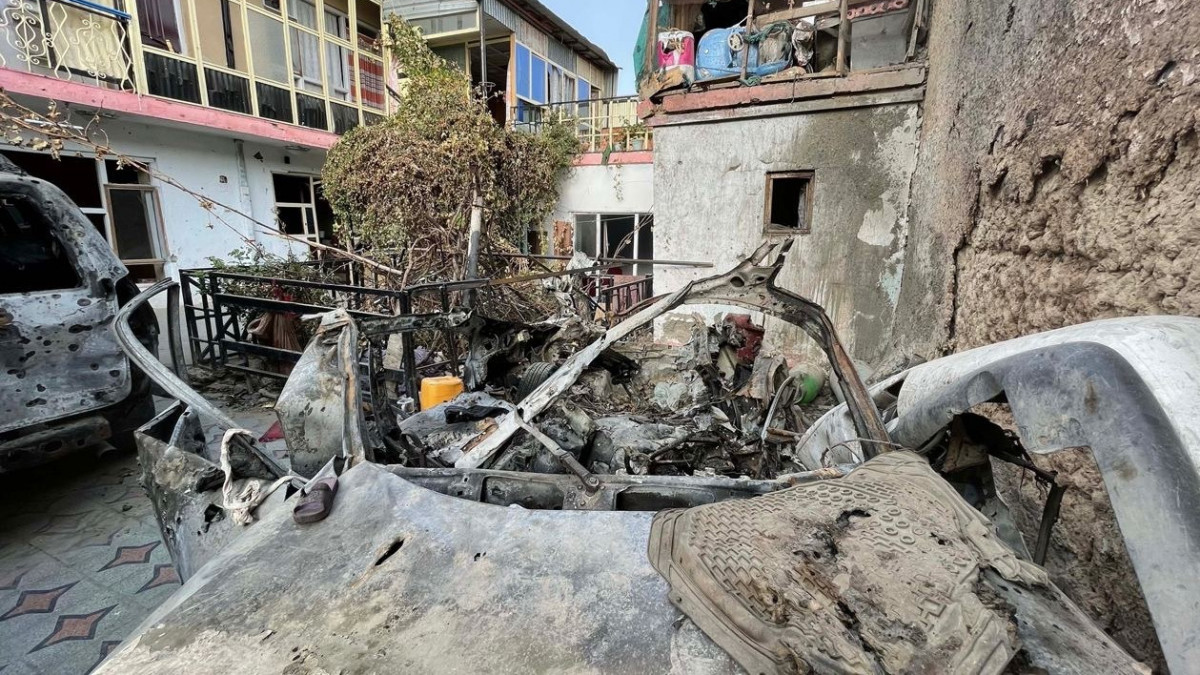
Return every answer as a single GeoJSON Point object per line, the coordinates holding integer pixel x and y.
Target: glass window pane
{"type": "Point", "coordinates": [537, 73]}
{"type": "Point", "coordinates": [337, 58]}
{"type": "Point", "coordinates": [585, 234]}
{"type": "Point", "coordinates": [217, 44]}
{"type": "Point", "coordinates": [266, 36]}
{"type": "Point", "coordinates": [524, 75]}
{"type": "Point", "coordinates": [306, 57]}
{"type": "Point", "coordinates": [134, 223]}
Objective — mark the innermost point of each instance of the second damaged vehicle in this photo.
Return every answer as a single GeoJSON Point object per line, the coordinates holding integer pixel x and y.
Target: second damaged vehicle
{"type": "Point", "coordinates": [65, 385]}
{"type": "Point", "coordinates": [737, 559]}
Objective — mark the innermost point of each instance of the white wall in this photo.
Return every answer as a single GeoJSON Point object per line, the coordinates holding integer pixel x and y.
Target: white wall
{"type": "Point", "coordinates": [711, 188]}
{"type": "Point", "coordinates": [616, 188]}
{"type": "Point", "coordinates": [209, 165]}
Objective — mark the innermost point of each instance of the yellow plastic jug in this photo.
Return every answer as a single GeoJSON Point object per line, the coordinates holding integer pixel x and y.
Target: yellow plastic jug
{"type": "Point", "coordinates": [437, 390]}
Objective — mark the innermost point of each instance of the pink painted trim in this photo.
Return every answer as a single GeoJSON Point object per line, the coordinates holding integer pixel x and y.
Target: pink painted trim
{"type": "Point", "coordinates": [732, 96]}
{"type": "Point", "coordinates": [152, 107]}
{"type": "Point", "coordinates": [635, 157]}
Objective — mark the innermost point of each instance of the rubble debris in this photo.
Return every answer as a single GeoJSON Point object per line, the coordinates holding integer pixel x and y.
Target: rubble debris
{"type": "Point", "coordinates": [750, 285]}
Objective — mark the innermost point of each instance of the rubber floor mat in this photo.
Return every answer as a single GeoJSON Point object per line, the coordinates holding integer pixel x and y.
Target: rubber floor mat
{"type": "Point", "coordinates": [880, 571]}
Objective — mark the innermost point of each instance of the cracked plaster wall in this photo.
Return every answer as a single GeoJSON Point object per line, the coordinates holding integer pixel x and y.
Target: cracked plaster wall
{"type": "Point", "coordinates": [710, 186]}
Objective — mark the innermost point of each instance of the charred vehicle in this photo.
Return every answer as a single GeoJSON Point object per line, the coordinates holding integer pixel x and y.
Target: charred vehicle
{"type": "Point", "coordinates": [65, 384]}
{"type": "Point", "coordinates": [729, 535]}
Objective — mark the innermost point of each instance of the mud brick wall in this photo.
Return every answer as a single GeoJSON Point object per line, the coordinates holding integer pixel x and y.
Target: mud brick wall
{"type": "Point", "coordinates": [1058, 173]}
{"type": "Point", "coordinates": [1057, 182]}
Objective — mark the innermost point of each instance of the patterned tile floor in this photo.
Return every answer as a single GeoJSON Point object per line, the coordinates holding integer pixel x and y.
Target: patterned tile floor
{"type": "Point", "coordinates": [81, 563]}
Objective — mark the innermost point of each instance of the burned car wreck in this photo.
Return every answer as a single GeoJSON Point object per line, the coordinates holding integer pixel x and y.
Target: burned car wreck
{"type": "Point", "coordinates": [545, 533]}
{"type": "Point", "coordinates": [65, 385]}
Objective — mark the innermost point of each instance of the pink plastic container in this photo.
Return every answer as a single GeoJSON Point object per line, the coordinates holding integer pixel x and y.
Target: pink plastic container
{"type": "Point", "coordinates": [677, 51]}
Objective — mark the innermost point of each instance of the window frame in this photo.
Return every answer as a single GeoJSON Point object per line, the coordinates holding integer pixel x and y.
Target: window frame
{"type": "Point", "coordinates": [312, 226]}
{"type": "Point", "coordinates": [158, 238]}
{"type": "Point", "coordinates": [597, 218]}
{"type": "Point", "coordinates": [805, 226]}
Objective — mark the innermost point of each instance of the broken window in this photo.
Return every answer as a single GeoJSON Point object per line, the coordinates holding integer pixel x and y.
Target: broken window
{"type": "Point", "coordinates": [31, 256]}
{"type": "Point", "coordinates": [788, 206]}
{"type": "Point", "coordinates": [629, 235]}
{"type": "Point", "coordinates": [137, 230]}
{"type": "Point", "coordinates": [302, 209]}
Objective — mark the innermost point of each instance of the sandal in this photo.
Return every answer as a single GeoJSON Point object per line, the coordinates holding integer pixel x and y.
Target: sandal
{"type": "Point", "coordinates": [315, 505]}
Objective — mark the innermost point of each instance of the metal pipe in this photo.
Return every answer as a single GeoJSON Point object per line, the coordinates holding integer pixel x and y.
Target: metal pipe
{"type": "Point", "coordinates": [474, 243]}
{"type": "Point", "coordinates": [630, 261]}
{"type": "Point", "coordinates": [174, 341]}
{"type": "Point", "coordinates": [1049, 518]}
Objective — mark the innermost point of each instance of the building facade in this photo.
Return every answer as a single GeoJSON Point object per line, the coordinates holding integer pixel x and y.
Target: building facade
{"type": "Point", "coordinates": [807, 133]}
{"type": "Point", "coordinates": [239, 100]}
{"type": "Point", "coordinates": [538, 67]}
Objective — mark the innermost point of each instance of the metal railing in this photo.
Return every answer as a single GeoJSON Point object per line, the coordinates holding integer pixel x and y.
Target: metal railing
{"type": "Point", "coordinates": [603, 125]}
{"type": "Point", "coordinates": [71, 40]}
{"type": "Point", "coordinates": [327, 72]}
{"type": "Point", "coordinates": [220, 308]}
{"type": "Point", "coordinates": [617, 299]}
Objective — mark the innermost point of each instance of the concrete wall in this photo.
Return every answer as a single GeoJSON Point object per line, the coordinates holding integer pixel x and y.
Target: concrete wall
{"type": "Point", "coordinates": [1058, 171]}
{"type": "Point", "coordinates": [710, 184]}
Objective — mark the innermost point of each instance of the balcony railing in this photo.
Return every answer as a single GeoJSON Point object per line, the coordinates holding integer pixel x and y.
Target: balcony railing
{"type": "Point", "coordinates": [71, 40]}
{"type": "Point", "coordinates": [603, 125]}
{"type": "Point", "coordinates": [301, 62]}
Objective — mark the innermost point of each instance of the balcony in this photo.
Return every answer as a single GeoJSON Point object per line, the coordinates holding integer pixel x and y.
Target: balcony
{"type": "Point", "coordinates": [313, 63]}
{"type": "Point", "coordinates": [81, 42]}
{"type": "Point", "coordinates": [763, 52]}
{"type": "Point", "coordinates": [603, 125]}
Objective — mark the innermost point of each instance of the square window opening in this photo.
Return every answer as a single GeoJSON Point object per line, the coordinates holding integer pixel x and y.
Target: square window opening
{"type": "Point", "coordinates": [789, 202]}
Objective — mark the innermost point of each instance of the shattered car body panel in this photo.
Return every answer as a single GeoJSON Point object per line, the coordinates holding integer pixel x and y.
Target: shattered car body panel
{"type": "Point", "coordinates": [402, 579]}
{"type": "Point", "coordinates": [64, 381]}
{"type": "Point", "coordinates": [1124, 388]}
{"type": "Point", "coordinates": [473, 569]}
